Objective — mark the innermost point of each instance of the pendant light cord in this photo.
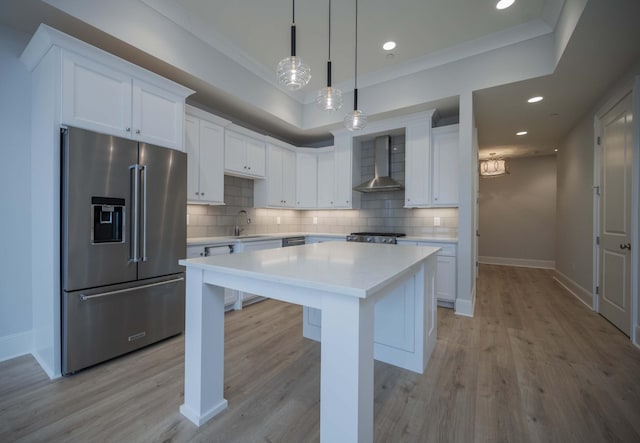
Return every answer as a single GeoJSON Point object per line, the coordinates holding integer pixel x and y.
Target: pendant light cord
{"type": "Point", "coordinates": [329, 58]}
{"type": "Point", "coordinates": [293, 28]}
{"type": "Point", "coordinates": [355, 90]}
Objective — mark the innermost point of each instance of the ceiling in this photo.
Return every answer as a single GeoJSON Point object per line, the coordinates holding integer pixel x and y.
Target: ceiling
{"type": "Point", "coordinates": [255, 35]}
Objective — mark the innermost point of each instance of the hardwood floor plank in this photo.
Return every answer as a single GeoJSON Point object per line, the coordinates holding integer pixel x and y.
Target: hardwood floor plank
{"type": "Point", "coordinates": [533, 365]}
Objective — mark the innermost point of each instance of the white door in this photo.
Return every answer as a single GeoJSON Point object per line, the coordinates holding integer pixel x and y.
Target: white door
{"type": "Point", "coordinates": [615, 215]}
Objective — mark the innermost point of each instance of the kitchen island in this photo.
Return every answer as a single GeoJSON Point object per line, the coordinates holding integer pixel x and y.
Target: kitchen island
{"type": "Point", "coordinates": [342, 280]}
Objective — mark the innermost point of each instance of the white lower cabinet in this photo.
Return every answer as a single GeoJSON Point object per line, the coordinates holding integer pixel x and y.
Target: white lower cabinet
{"type": "Point", "coordinates": [446, 273]}
{"type": "Point", "coordinates": [244, 298]}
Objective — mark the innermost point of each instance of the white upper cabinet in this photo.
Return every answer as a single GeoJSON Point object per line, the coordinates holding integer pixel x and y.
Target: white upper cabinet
{"type": "Point", "coordinates": [306, 178]}
{"type": "Point", "coordinates": [244, 156]}
{"type": "Point", "coordinates": [431, 174]}
{"type": "Point", "coordinates": [326, 178]}
{"type": "Point", "coordinates": [417, 164]}
{"type": "Point", "coordinates": [444, 146]}
{"type": "Point", "coordinates": [104, 98]}
{"type": "Point", "coordinates": [204, 144]}
{"type": "Point", "coordinates": [343, 192]}
{"type": "Point", "coordinates": [277, 190]}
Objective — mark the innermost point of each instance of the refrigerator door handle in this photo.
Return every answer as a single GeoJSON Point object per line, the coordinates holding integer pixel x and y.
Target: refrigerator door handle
{"type": "Point", "coordinates": [144, 170]}
{"type": "Point", "coordinates": [136, 288]}
{"type": "Point", "coordinates": [135, 209]}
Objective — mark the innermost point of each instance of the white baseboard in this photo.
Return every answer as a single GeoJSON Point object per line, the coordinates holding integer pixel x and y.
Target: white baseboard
{"type": "Point", "coordinates": [466, 307]}
{"type": "Point", "coordinates": [521, 262]}
{"type": "Point", "coordinates": [15, 345]}
{"type": "Point", "coordinates": [636, 340]}
{"type": "Point", "coordinates": [582, 294]}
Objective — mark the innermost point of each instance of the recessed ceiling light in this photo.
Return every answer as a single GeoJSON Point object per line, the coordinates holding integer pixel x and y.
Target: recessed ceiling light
{"type": "Point", "coordinates": [388, 46]}
{"type": "Point", "coordinates": [555, 150]}
{"type": "Point", "coordinates": [535, 99]}
{"type": "Point", "coordinates": [504, 4]}
{"type": "Point", "coordinates": [521, 133]}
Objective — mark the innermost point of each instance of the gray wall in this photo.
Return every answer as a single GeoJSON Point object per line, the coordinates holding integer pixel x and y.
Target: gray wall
{"type": "Point", "coordinates": [517, 213]}
{"type": "Point", "coordinates": [574, 261]}
{"type": "Point", "coordinates": [15, 190]}
{"type": "Point", "coordinates": [574, 257]}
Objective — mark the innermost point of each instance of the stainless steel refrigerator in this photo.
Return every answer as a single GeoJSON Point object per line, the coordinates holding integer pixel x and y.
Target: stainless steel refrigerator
{"type": "Point", "coordinates": [123, 231]}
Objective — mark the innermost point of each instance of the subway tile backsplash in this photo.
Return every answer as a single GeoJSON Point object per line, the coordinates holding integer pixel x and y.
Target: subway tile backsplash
{"type": "Point", "coordinates": [380, 211]}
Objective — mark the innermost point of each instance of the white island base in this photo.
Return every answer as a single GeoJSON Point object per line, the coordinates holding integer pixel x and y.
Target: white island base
{"type": "Point", "coordinates": [343, 281]}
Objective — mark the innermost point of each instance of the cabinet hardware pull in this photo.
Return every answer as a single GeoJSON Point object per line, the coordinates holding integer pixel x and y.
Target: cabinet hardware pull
{"type": "Point", "coordinates": [128, 129]}
{"type": "Point", "coordinates": [627, 246]}
{"type": "Point", "coordinates": [137, 131]}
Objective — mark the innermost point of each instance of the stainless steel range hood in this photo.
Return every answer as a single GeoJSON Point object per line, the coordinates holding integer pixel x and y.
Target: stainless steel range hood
{"type": "Point", "coordinates": [382, 180]}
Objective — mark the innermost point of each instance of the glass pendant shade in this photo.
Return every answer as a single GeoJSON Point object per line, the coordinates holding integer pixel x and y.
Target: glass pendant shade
{"type": "Point", "coordinates": [355, 120]}
{"type": "Point", "coordinates": [293, 73]}
{"type": "Point", "coordinates": [329, 98]}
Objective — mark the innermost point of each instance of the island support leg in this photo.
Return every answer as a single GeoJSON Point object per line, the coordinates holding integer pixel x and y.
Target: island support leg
{"type": "Point", "coordinates": [346, 370]}
{"type": "Point", "coordinates": [204, 349]}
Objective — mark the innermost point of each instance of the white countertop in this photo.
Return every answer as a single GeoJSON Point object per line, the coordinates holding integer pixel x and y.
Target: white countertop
{"type": "Point", "coordinates": [348, 268]}
{"type": "Point", "coordinates": [212, 241]}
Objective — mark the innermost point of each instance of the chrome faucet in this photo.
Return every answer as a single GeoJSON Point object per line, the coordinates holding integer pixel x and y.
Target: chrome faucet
{"type": "Point", "coordinates": [237, 230]}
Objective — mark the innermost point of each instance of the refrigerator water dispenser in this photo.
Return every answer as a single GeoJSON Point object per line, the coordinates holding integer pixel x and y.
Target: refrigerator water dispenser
{"type": "Point", "coordinates": [108, 220]}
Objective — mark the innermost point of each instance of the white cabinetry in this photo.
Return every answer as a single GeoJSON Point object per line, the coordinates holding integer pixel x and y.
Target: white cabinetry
{"type": "Point", "coordinates": [244, 298]}
{"type": "Point", "coordinates": [326, 178]}
{"type": "Point", "coordinates": [204, 144]}
{"type": "Point", "coordinates": [112, 100]}
{"type": "Point", "coordinates": [343, 190]}
{"type": "Point", "coordinates": [446, 273]}
{"type": "Point", "coordinates": [417, 163]}
{"type": "Point", "coordinates": [76, 84]}
{"type": "Point", "coordinates": [335, 176]}
{"type": "Point", "coordinates": [431, 173]}
{"type": "Point", "coordinates": [306, 178]}
{"type": "Point", "coordinates": [278, 189]}
{"type": "Point", "coordinates": [444, 147]}
{"type": "Point", "coordinates": [244, 155]}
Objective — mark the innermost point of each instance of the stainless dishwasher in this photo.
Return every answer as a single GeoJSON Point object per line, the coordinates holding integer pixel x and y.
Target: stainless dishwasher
{"type": "Point", "coordinates": [292, 241]}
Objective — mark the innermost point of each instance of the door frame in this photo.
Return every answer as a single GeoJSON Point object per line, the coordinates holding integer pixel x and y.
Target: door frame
{"type": "Point", "coordinates": [635, 202]}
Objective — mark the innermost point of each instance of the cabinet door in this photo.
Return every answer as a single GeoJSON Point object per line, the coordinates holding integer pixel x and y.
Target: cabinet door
{"type": "Point", "coordinates": [192, 147]}
{"type": "Point", "coordinates": [289, 178]}
{"type": "Point", "coordinates": [235, 153]}
{"type": "Point", "coordinates": [446, 278]}
{"type": "Point", "coordinates": [157, 115]}
{"type": "Point", "coordinates": [95, 97]}
{"type": "Point", "coordinates": [273, 180]}
{"type": "Point", "coordinates": [256, 157]}
{"type": "Point", "coordinates": [445, 165]}
{"type": "Point", "coordinates": [211, 162]}
{"type": "Point", "coordinates": [417, 147]}
{"type": "Point", "coordinates": [326, 179]}
{"type": "Point", "coordinates": [344, 176]}
{"type": "Point", "coordinates": [306, 180]}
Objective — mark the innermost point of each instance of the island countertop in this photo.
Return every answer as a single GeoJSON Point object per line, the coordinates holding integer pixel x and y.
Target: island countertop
{"type": "Point", "coordinates": [348, 268]}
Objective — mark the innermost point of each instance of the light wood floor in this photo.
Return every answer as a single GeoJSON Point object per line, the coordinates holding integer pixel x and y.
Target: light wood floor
{"type": "Point", "coordinates": [533, 365]}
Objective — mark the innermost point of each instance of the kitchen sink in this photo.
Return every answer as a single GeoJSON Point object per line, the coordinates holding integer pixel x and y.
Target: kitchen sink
{"type": "Point", "coordinates": [240, 237]}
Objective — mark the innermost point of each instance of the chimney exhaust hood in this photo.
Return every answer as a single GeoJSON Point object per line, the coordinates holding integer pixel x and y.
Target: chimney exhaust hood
{"type": "Point", "coordinates": [382, 180]}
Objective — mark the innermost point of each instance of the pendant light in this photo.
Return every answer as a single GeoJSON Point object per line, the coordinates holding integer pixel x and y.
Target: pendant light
{"type": "Point", "coordinates": [329, 98]}
{"type": "Point", "coordinates": [293, 73]}
{"type": "Point", "coordinates": [356, 119]}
